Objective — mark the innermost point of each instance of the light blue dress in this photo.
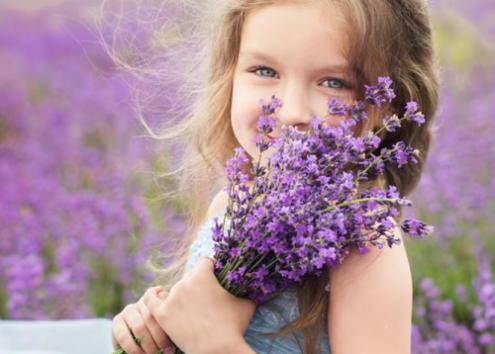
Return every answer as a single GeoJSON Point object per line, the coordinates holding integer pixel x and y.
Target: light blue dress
{"type": "Point", "coordinates": [268, 317]}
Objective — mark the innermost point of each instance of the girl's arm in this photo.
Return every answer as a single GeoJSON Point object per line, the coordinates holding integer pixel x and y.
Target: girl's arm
{"type": "Point", "coordinates": [200, 316]}
{"type": "Point", "coordinates": [370, 304]}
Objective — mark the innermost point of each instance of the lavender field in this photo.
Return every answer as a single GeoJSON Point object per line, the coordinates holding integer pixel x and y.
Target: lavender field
{"type": "Point", "coordinates": [79, 197]}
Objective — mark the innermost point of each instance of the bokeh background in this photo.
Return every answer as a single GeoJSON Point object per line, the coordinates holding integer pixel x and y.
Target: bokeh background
{"type": "Point", "coordinates": [80, 197]}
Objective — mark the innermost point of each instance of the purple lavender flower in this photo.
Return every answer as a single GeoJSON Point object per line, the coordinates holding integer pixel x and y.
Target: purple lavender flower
{"type": "Point", "coordinates": [391, 123]}
{"type": "Point", "coordinates": [271, 107]}
{"type": "Point", "coordinates": [402, 154]}
{"type": "Point", "coordinates": [266, 124]}
{"type": "Point", "coordinates": [416, 228]}
{"type": "Point", "coordinates": [381, 93]}
{"type": "Point", "coordinates": [412, 113]}
{"type": "Point", "coordinates": [357, 112]}
{"type": "Point", "coordinates": [337, 107]}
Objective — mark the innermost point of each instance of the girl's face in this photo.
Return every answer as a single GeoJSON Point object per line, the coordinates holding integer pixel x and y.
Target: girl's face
{"type": "Point", "coordinates": [297, 53]}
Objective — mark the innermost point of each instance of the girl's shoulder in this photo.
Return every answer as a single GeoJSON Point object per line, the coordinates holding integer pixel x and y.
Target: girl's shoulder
{"type": "Point", "coordinates": [218, 204]}
{"type": "Point", "coordinates": [202, 245]}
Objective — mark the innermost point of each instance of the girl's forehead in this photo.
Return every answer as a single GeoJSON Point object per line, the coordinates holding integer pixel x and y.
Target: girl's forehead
{"type": "Point", "coordinates": [321, 17]}
{"type": "Point", "coordinates": [290, 28]}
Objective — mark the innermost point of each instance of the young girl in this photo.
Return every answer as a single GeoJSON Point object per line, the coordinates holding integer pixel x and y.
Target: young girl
{"type": "Point", "coordinates": [303, 52]}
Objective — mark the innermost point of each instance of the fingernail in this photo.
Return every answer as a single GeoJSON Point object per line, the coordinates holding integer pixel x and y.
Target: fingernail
{"type": "Point", "coordinates": [169, 350]}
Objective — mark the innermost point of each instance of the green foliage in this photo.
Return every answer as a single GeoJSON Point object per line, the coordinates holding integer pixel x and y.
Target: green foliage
{"type": "Point", "coordinates": [457, 43]}
{"type": "Point", "coordinates": [4, 314]}
{"type": "Point", "coordinates": [105, 294]}
{"type": "Point", "coordinates": [449, 265]}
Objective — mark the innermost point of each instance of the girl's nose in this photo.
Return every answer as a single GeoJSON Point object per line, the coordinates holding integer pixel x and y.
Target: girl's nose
{"type": "Point", "coordinates": [295, 110]}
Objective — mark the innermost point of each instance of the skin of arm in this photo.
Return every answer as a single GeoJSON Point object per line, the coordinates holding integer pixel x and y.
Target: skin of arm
{"type": "Point", "coordinates": [370, 302]}
{"type": "Point", "coordinates": [198, 314]}
{"type": "Point", "coordinates": [218, 204]}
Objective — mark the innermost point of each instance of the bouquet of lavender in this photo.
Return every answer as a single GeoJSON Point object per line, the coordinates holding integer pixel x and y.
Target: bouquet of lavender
{"type": "Point", "coordinates": [304, 210]}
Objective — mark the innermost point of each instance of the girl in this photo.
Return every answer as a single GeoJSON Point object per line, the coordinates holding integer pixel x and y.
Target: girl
{"type": "Point", "coordinates": [303, 52]}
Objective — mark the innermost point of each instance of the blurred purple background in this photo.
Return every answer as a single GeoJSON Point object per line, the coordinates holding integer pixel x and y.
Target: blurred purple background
{"type": "Point", "coordinates": [78, 198]}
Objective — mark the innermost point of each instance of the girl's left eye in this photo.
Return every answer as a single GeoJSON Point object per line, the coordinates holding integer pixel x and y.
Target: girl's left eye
{"type": "Point", "coordinates": [336, 84]}
{"type": "Point", "coordinates": [261, 68]}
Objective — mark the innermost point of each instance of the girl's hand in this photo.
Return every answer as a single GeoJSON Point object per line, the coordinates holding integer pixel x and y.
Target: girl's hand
{"type": "Point", "coordinates": [135, 319]}
{"type": "Point", "coordinates": [200, 315]}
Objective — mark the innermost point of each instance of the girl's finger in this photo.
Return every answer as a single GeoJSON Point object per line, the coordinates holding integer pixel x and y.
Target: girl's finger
{"type": "Point", "coordinates": [123, 337]}
{"type": "Point", "coordinates": [158, 335]}
{"type": "Point", "coordinates": [153, 302]}
{"type": "Point", "coordinates": [139, 331]}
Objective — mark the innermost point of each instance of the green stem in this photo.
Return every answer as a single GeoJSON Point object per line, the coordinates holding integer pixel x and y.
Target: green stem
{"type": "Point", "coordinates": [360, 200]}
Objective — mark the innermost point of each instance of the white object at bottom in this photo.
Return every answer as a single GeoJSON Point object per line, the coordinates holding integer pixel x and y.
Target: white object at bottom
{"type": "Point", "coordinates": [56, 337]}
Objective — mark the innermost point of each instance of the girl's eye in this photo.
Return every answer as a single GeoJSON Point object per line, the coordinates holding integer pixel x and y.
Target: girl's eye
{"type": "Point", "coordinates": [263, 70]}
{"type": "Point", "coordinates": [336, 84]}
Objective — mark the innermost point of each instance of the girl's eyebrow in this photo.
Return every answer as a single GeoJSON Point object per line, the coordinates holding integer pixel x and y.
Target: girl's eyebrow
{"type": "Point", "coordinates": [255, 55]}
{"type": "Point", "coordinates": [336, 68]}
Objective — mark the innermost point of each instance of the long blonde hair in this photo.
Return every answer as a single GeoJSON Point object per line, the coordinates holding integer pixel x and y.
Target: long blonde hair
{"type": "Point", "coordinates": [389, 38]}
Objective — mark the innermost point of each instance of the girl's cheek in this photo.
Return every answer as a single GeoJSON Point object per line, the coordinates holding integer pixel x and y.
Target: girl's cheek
{"type": "Point", "coordinates": [246, 102]}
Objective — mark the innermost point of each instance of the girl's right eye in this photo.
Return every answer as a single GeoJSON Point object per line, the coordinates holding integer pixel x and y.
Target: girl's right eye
{"type": "Point", "coordinates": [262, 69]}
